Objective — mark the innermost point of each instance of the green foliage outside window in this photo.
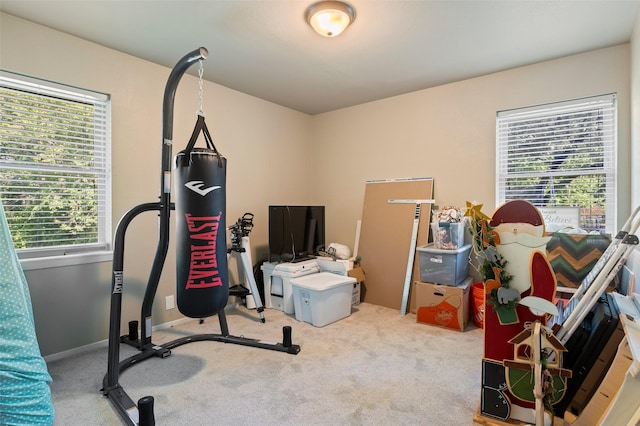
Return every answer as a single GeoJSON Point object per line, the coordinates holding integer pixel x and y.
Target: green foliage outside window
{"type": "Point", "coordinates": [48, 181]}
{"type": "Point", "coordinates": [561, 155]}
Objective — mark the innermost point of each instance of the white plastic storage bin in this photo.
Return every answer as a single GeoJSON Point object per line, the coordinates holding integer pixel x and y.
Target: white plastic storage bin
{"type": "Point", "coordinates": [322, 298]}
{"type": "Point", "coordinates": [278, 293]}
{"type": "Point", "coordinates": [443, 266]}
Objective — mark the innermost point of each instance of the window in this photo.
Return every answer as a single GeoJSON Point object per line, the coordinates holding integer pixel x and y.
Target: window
{"type": "Point", "coordinates": [561, 155]}
{"type": "Point", "coordinates": [54, 167]}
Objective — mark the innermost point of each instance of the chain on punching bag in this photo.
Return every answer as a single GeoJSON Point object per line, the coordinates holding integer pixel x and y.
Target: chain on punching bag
{"type": "Point", "coordinates": [202, 285]}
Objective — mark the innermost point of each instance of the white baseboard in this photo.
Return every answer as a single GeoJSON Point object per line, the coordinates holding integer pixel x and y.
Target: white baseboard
{"type": "Point", "coordinates": [91, 346]}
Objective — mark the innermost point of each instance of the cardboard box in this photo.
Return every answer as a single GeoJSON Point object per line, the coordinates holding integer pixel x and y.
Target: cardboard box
{"type": "Point", "coordinates": [356, 294]}
{"type": "Point", "coordinates": [358, 274]}
{"type": "Point", "coordinates": [443, 305]}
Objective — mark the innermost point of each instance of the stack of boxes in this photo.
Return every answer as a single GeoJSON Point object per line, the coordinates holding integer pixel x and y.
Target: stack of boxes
{"type": "Point", "coordinates": [442, 294]}
{"type": "Point", "coordinates": [317, 292]}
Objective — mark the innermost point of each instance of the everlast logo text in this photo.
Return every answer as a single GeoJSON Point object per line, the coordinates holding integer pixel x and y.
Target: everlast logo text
{"type": "Point", "coordinates": [203, 266]}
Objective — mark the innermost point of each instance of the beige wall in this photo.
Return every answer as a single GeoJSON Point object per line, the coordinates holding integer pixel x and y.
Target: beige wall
{"type": "Point", "coordinates": [448, 133]}
{"type": "Point", "coordinates": [268, 148]}
{"type": "Point", "coordinates": [635, 113]}
{"type": "Point", "coordinates": [445, 132]}
{"type": "Point", "coordinates": [634, 260]}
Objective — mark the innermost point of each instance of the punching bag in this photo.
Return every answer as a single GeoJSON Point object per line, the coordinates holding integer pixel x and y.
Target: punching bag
{"type": "Point", "coordinates": [202, 285]}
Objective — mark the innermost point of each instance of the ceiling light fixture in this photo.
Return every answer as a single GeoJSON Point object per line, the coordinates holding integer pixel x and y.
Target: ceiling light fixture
{"type": "Point", "coordinates": [330, 18]}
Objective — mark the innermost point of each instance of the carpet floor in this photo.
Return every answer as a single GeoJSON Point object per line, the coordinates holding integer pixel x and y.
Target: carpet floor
{"type": "Point", "coordinates": [375, 367]}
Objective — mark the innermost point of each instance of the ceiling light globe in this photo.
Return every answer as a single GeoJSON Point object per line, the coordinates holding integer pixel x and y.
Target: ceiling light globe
{"type": "Point", "coordinates": [330, 18]}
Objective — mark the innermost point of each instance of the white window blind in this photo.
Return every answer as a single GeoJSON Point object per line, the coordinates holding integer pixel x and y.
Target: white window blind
{"type": "Point", "coordinates": [561, 155]}
{"type": "Point", "coordinates": [54, 166]}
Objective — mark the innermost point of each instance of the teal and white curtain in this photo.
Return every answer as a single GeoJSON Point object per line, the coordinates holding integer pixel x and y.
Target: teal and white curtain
{"type": "Point", "coordinates": [25, 397]}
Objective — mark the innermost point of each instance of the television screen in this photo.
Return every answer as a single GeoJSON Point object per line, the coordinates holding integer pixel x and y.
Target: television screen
{"type": "Point", "coordinates": [296, 233]}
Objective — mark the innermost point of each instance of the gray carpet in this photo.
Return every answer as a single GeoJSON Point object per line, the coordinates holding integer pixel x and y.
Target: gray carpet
{"type": "Point", "coordinates": [375, 367]}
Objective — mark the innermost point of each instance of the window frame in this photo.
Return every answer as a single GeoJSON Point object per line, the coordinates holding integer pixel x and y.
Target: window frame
{"type": "Point", "coordinates": [610, 150]}
{"type": "Point", "coordinates": [80, 253]}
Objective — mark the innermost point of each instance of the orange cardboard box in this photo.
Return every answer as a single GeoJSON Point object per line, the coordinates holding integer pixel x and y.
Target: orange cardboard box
{"type": "Point", "coordinates": [443, 305]}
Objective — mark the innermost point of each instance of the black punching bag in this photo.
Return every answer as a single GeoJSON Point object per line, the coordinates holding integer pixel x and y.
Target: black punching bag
{"type": "Point", "coordinates": [202, 285]}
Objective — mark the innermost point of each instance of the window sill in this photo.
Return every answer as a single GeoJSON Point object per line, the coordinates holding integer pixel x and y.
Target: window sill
{"type": "Point", "coordinates": [66, 260]}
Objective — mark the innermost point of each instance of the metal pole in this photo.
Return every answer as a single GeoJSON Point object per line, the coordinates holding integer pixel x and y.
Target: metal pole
{"type": "Point", "coordinates": [412, 247]}
{"type": "Point", "coordinates": [165, 190]}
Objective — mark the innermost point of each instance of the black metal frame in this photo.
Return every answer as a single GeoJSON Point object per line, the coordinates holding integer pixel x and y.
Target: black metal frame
{"type": "Point", "coordinates": [142, 414]}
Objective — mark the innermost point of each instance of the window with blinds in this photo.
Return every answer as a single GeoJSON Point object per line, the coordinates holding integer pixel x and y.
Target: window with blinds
{"type": "Point", "coordinates": [561, 155]}
{"type": "Point", "coordinates": [54, 166]}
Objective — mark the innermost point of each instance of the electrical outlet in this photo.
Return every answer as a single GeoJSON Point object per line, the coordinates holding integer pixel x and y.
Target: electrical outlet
{"type": "Point", "coordinates": [169, 302]}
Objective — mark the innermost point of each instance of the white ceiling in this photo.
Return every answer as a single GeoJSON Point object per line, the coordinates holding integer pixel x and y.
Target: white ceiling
{"type": "Point", "coordinates": [265, 48]}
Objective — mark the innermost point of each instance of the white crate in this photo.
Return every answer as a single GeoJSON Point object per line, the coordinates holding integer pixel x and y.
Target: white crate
{"type": "Point", "coordinates": [278, 293]}
{"type": "Point", "coordinates": [322, 298]}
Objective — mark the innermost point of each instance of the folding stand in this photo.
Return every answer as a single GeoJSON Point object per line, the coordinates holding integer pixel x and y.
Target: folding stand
{"type": "Point", "coordinates": [142, 414]}
{"type": "Point", "coordinates": [241, 246]}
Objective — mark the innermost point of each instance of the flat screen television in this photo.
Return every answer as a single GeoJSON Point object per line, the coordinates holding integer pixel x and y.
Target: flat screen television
{"type": "Point", "coordinates": [296, 233]}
